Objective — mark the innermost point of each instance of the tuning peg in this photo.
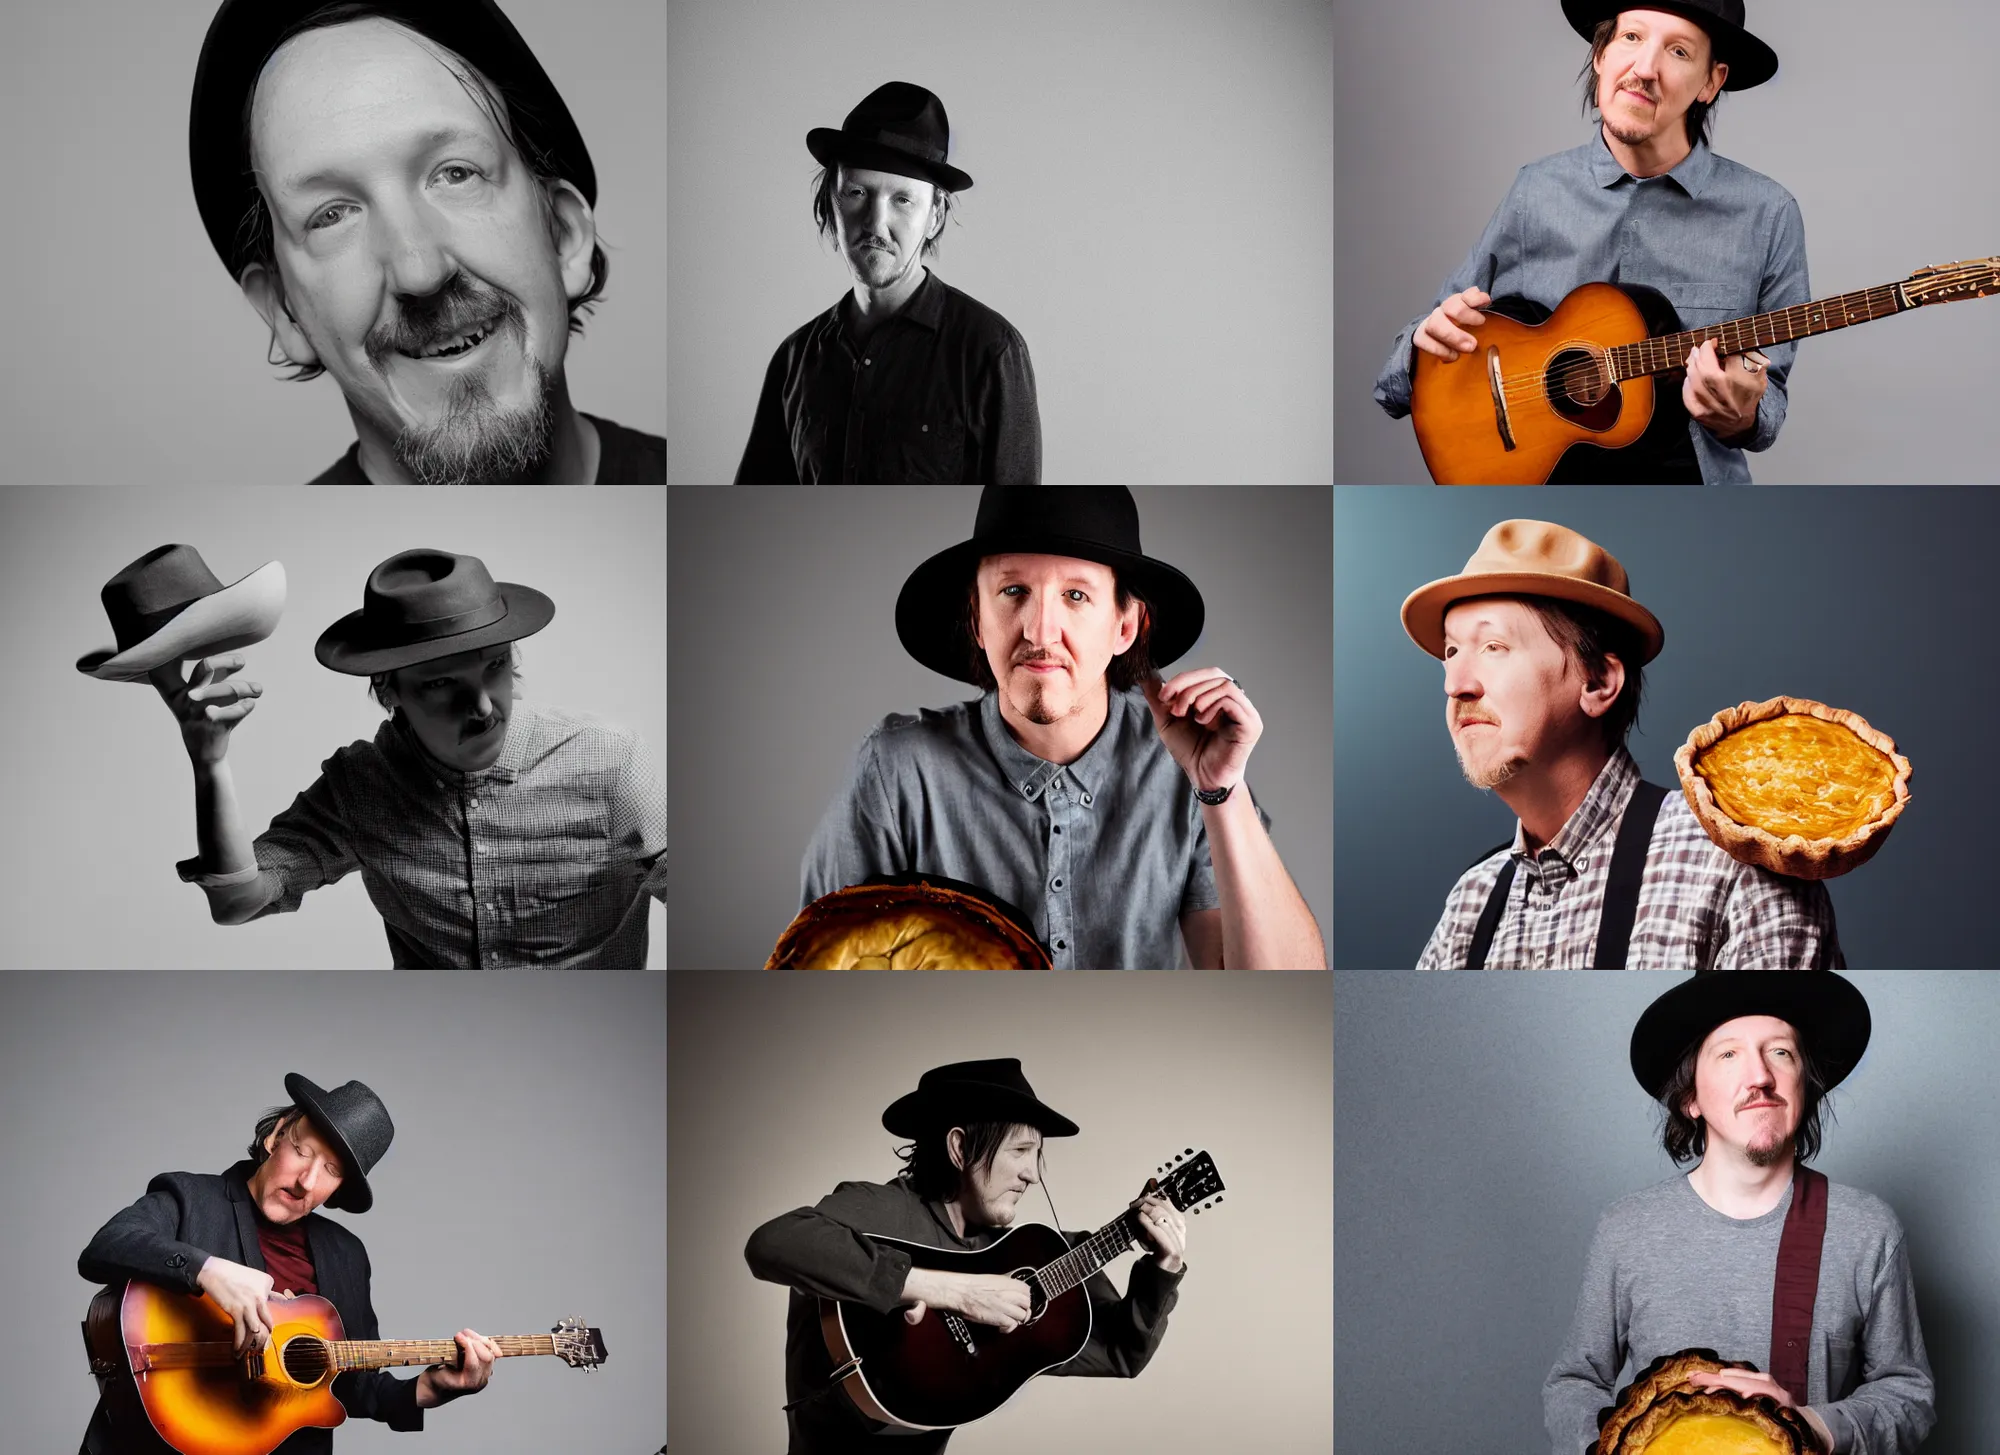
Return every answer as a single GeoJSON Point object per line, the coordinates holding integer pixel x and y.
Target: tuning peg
{"type": "Point", "coordinates": [1190, 1151]}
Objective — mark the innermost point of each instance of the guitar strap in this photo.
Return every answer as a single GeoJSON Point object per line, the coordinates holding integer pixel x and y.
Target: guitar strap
{"type": "Point", "coordinates": [1621, 886]}
{"type": "Point", "coordinates": [1797, 1284]}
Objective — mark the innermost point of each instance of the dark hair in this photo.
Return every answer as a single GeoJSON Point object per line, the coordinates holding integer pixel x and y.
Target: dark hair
{"type": "Point", "coordinates": [1590, 637]}
{"type": "Point", "coordinates": [378, 680]}
{"type": "Point", "coordinates": [1686, 1137]}
{"type": "Point", "coordinates": [1699, 120]}
{"type": "Point", "coordinates": [255, 244]}
{"type": "Point", "coordinates": [824, 212]}
{"type": "Point", "coordinates": [1124, 672]}
{"type": "Point", "coordinates": [927, 1161]}
{"type": "Point", "coordinates": [275, 1119]}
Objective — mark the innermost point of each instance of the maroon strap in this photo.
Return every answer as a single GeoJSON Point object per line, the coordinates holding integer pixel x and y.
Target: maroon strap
{"type": "Point", "coordinates": [1797, 1285]}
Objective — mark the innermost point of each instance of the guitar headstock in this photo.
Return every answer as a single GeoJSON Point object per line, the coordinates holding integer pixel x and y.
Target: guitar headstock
{"type": "Point", "coordinates": [577, 1346]}
{"type": "Point", "coordinates": [1189, 1178]}
{"type": "Point", "coordinates": [1953, 282]}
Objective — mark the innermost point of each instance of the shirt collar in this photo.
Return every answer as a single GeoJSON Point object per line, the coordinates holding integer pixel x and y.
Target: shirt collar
{"type": "Point", "coordinates": [1029, 775]}
{"type": "Point", "coordinates": [1691, 175]}
{"type": "Point", "coordinates": [397, 736]}
{"type": "Point", "coordinates": [1602, 807]}
{"type": "Point", "coordinates": [925, 307]}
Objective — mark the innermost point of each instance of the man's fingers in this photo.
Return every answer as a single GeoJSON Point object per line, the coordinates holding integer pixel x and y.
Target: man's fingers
{"type": "Point", "coordinates": [914, 1314]}
{"type": "Point", "coordinates": [234, 712]}
{"type": "Point", "coordinates": [221, 691]}
{"type": "Point", "coordinates": [1463, 313]}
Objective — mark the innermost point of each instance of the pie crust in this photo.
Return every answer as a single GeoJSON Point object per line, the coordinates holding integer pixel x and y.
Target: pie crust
{"type": "Point", "coordinates": [1668, 1372]}
{"type": "Point", "coordinates": [1794, 786]}
{"type": "Point", "coordinates": [916, 926]}
{"type": "Point", "coordinates": [1717, 1422]}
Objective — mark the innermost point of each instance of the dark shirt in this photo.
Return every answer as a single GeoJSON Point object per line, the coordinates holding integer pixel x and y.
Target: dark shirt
{"type": "Point", "coordinates": [940, 393]}
{"type": "Point", "coordinates": [185, 1219]}
{"type": "Point", "coordinates": [287, 1258]}
{"type": "Point", "coordinates": [824, 1251]}
{"type": "Point", "coordinates": [625, 457]}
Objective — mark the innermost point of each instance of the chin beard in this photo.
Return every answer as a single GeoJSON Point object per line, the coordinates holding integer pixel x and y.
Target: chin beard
{"type": "Point", "coordinates": [1768, 1154]}
{"type": "Point", "coordinates": [478, 443]}
{"type": "Point", "coordinates": [1505, 771]}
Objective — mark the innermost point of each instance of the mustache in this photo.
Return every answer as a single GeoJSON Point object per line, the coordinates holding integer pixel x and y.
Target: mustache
{"type": "Point", "coordinates": [480, 727]}
{"type": "Point", "coordinates": [425, 322]}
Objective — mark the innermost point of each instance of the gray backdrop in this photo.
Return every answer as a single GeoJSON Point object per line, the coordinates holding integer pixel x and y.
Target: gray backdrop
{"type": "Point", "coordinates": [132, 355]}
{"type": "Point", "coordinates": [1865, 123]}
{"type": "Point", "coordinates": [778, 1084]}
{"type": "Point", "coordinates": [525, 1184]}
{"type": "Point", "coordinates": [1860, 598]}
{"type": "Point", "coordinates": [99, 793]}
{"type": "Point", "coordinates": [1152, 208]}
{"type": "Point", "coordinates": [783, 626]}
{"type": "Point", "coordinates": [1485, 1122]}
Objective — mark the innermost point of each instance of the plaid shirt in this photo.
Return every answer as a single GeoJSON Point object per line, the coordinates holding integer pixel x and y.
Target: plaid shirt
{"type": "Point", "coordinates": [544, 859]}
{"type": "Point", "coordinates": [1699, 909]}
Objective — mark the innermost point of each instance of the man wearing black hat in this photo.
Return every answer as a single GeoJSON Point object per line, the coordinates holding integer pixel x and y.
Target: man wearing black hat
{"type": "Point", "coordinates": [1646, 204]}
{"type": "Point", "coordinates": [489, 832]}
{"type": "Point", "coordinates": [1753, 1254]}
{"type": "Point", "coordinates": [976, 1130]}
{"type": "Point", "coordinates": [254, 1230]}
{"type": "Point", "coordinates": [399, 190]}
{"type": "Point", "coordinates": [1108, 805]}
{"type": "Point", "coordinates": [905, 380]}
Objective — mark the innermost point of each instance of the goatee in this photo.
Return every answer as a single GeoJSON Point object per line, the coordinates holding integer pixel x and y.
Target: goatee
{"type": "Point", "coordinates": [1761, 1154]}
{"type": "Point", "coordinates": [1505, 771]}
{"type": "Point", "coordinates": [476, 442]}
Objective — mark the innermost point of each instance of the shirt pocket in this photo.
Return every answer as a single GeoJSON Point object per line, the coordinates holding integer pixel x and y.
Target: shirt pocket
{"type": "Point", "coordinates": [1841, 1375]}
{"type": "Point", "coordinates": [562, 886]}
{"type": "Point", "coordinates": [923, 450]}
{"type": "Point", "coordinates": [1702, 305]}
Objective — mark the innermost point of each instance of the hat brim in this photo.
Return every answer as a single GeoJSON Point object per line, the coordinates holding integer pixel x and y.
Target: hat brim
{"type": "Point", "coordinates": [239, 615]}
{"type": "Point", "coordinates": [930, 609]}
{"type": "Point", "coordinates": [349, 646]}
{"type": "Point", "coordinates": [354, 1194]}
{"type": "Point", "coordinates": [1826, 1008]}
{"type": "Point", "coordinates": [1424, 609]}
{"type": "Point", "coordinates": [830, 147]}
{"type": "Point", "coordinates": [954, 1103]}
{"type": "Point", "coordinates": [1750, 61]}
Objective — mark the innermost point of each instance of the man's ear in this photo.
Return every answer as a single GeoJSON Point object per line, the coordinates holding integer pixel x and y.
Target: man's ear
{"type": "Point", "coordinates": [1718, 72]}
{"type": "Point", "coordinates": [573, 230]}
{"type": "Point", "coordinates": [1598, 697]}
{"type": "Point", "coordinates": [954, 1147]}
{"type": "Point", "coordinates": [261, 285]}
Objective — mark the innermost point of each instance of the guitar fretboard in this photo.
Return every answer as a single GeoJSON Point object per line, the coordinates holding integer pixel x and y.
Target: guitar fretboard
{"type": "Point", "coordinates": [1670, 351]}
{"type": "Point", "coordinates": [1066, 1272]}
{"type": "Point", "coordinates": [385, 1353]}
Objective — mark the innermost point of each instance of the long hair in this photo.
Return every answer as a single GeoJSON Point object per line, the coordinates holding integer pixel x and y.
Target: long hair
{"type": "Point", "coordinates": [275, 1119]}
{"type": "Point", "coordinates": [255, 241]}
{"type": "Point", "coordinates": [1124, 672]}
{"type": "Point", "coordinates": [927, 1161]}
{"type": "Point", "coordinates": [1590, 638]}
{"type": "Point", "coordinates": [825, 212]}
{"type": "Point", "coordinates": [1700, 117]}
{"type": "Point", "coordinates": [1686, 1137]}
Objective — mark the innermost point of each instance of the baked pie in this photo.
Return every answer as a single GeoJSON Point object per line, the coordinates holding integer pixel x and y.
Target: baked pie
{"type": "Point", "coordinates": [1658, 1414]}
{"type": "Point", "coordinates": [1794, 786]}
{"type": "Point", "coordinates": [913, 922]}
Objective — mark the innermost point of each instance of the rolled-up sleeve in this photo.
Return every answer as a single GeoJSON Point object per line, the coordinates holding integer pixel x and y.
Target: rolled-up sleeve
{"type": "Point", "coordinates": [309, 845]}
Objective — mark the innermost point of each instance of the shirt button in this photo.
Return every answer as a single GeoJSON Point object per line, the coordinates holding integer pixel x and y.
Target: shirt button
{"type": "Point", "coordinates": [473, 804]}
{"type": "Point", "coordinates": [482, 848]}
{"type": "Point", "coordinates": [1062, 944]}
{"type": "Point", "coordinates": [1086, 800]}
{"type": "Point", "coordinates": [1057, 883]}
{"type": "Point", "coordinates": [870, 363]}
{"type": "Point", "coordinates": [1056, 830]}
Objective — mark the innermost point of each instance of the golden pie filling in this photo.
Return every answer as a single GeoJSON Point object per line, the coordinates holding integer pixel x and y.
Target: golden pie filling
{"type": "Point", "coordinates": [912, 940]}
{"type": "Point", "coordinates": [1798, 775]}
{"type": "Point", "coordinates": [1717, 1434]}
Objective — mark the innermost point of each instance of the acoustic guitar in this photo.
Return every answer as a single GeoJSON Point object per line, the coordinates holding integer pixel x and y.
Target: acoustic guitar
{"type": "Point", "coordinates": [1512, 411]}
{"type": "Point", "coordinates": [165, 1363]}
{"type": "Point", "coordinates": [944, 1371]}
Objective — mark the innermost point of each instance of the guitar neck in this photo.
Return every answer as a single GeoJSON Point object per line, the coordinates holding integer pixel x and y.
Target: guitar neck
{"type": "Point", "coordinates": [1763, 331]}
{"type": "Point", "coordinates": [1080, 1262]}
{"type": "Point", "coordinates": [388, 1353]}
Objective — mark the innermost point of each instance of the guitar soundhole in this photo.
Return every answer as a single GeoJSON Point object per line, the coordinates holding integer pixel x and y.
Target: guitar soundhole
{"type": "Point", "coordinates": [1579, 390]}
{"type": "Point", "coordinates": [304, 1359]}
{"type": "Point", "coordinates": [1038, 1302]}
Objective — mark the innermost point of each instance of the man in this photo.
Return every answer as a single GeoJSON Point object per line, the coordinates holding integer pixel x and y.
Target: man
{"type": "Point", "coordinates": [906, 379]}
{"type": "Point", "coordinates": [1079, 786]}
{"type": "Point", "coordinates": [1647, 204]}
{"type": "Point", "coordinates": [1741, 1064]}
{"type": "Point", "coordinates": [1544, 653]}
{"type": "Point", "coordinates": [976, 1130]}
{"type": "Point", "coordinates": [401, 194]}
{"type": "Point", "coordinates": [489, 832]}
{"type": "Point", "coordinates": [255, 1230]}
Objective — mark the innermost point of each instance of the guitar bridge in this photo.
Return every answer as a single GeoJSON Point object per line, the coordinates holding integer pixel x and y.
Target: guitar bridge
{"type": "Point", "coordinates": [961, 1333]}
{"type": "Point", "coordinates": [1494, 382]}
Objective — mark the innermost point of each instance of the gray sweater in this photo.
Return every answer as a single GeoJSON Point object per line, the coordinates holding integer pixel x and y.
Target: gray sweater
{"type": "Point", "coordinates": [1668, 1272]}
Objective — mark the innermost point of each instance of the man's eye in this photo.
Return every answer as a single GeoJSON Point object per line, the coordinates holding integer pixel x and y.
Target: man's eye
{"type": "Point", "coordinates": [1075, 594]}
{"type": "Point", "coordinates": [326, 217]}
{"type": "Point", "coordinates": [457, 173]}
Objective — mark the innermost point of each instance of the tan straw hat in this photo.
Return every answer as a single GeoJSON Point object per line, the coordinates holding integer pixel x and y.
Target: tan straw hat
{"type": "Point", "coordinates": [1532, 558]}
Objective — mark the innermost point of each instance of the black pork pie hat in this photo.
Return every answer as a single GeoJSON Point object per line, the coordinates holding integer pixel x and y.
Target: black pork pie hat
{"type": "Point", "coordinates": [1825, 1008]}
{"type": "Point", "coordinates": [424, 604]}
{"type": "Point", "coordinates": [241, 39]}
{"type": "Point", "coordinates": [898, 127]}
{"type": "Point", "coordinates": [1090, 522]}
{"type": "Point", "coordinates": [353, 1118]}
{"type": "Point", "coordinates": [1750, 61]}
{"type": "Point", "coordinates": [973, 1091]}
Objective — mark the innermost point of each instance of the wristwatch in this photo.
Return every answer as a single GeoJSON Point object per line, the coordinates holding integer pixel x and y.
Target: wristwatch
{"type": "Point", "coordinates": [1214, 796]}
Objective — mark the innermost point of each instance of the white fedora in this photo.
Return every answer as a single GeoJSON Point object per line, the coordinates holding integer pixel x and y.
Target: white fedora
{"type": "Point", "coordinates": [167, 606]}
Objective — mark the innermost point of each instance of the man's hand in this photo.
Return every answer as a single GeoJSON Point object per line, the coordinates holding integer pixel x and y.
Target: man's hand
{"type": "Point", "coordinates": [1748, 1382]}
{"type": "Point", "coordinates": [1164, 1230]}
{"type": "Point", "coordinates": [1207, 724]}
{"type": "Point", "coordinates": [1443, 333]}
{"type": "Point", "coordinates": [1722, 394]}
{"type": "Point", "coordinates": [992, 1299]}
{"type": "Point", "coordinates": [442, 1382]}
{"type": "Point", "coordinates": [207, 705]}
{"type": "Point", "coordinates": [240, 1292]}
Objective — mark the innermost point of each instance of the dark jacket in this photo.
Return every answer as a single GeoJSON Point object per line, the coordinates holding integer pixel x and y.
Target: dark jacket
{"type": "Point", "coordinates": [187, 1217]}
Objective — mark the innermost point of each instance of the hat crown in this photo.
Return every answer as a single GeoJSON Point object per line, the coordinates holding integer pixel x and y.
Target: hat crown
{"type": "Point", "coordinates": [1101, 515]}
{"type": "Point", "coordinates": [429, 593]}
{"type": "Point", "coordinates": [1545, 548]}
{"type": "Point", "coordinates": [153, 590]}
{"type": "Point", "coordinates": [902, 115]}
{"type": "Point", "coordinates": [360, 1126]}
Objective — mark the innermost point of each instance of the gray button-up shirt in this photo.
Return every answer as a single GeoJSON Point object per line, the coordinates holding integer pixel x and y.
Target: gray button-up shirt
{"type": "Point", "coordinates": [1719, 240]}
{"type": "Point", "coordinates": [1104, 854]}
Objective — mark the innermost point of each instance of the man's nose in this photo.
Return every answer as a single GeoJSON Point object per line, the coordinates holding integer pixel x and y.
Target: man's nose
{"type": "Point", "coordinates": [410, 243]}
{"type": "Point", "coordinates": [310, 1176]}
{"type": "Point", "coordinates": [1042, 624]}
{"type": "Point", "coordinates": [1459, 678]}
{"type": "Point", "coordinates": [482, 706]}
{"type": "Point", "coordinates": [878, 217]}
{"type": "Point", "coordinates": [1646, 64]}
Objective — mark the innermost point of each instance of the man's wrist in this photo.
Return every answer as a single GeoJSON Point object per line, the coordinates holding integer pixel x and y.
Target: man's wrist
{"type": "Point", "coordinates": [1214, 797]}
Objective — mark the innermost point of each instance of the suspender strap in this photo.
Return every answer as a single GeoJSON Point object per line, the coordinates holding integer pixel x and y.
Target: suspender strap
{"type": "Point", "coordinates": [1489, 918]}
{"type": "Point", "coordinates": [1797, 1284]}
{"type": "Point", "coordinates": [1628, 866]}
